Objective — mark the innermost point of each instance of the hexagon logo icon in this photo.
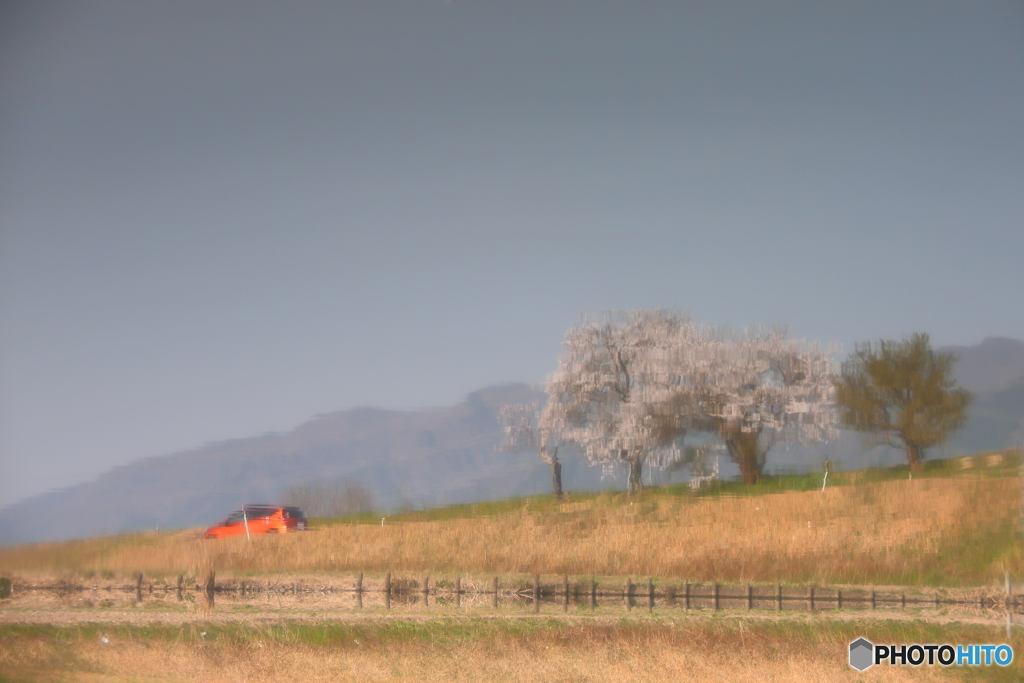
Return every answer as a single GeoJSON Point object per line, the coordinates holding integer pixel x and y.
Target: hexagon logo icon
{"type": "Point", "coordinates": [862, 654]}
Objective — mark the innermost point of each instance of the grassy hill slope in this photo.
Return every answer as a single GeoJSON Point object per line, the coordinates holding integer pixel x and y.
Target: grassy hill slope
{"type": "Point", "coordinates": [956, 525]}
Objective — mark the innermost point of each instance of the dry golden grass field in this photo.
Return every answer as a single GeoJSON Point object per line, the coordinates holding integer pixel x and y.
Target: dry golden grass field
{"type": "Point", "coordinates": [935, 531]}
{"type": "Point", "coordinates": [951, 531]}
{"type": "Point", "coordinates": [477, 650]}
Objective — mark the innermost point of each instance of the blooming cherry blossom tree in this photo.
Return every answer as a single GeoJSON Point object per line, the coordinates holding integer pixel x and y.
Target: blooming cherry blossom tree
{"type": "Point", "coordinates": [629, 388]}
{"type": "Point", "coordinates": [613, 395]}
{"type": "Point", "coordinates": [759, 388]}
{"type": "Point", "coordinates": [524, 433]}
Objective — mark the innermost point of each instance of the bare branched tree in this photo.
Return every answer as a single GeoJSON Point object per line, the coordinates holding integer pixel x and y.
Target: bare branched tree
{"type": "Point", "coordinates": [330, 499]}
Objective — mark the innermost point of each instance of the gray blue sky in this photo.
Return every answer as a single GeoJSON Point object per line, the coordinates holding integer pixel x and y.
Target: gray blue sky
{"type": "Point", "coordinates": [221, 218]}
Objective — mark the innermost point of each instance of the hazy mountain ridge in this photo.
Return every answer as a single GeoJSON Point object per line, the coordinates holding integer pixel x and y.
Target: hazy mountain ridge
{"type": "Point", "coordinates": [407, 458]}
{"type": "Point", "coordinates": [425, 457]}
{"type": "Point", "coordinates": [994, 372]}
{"type": "Point", "coordinates": [994, 365]}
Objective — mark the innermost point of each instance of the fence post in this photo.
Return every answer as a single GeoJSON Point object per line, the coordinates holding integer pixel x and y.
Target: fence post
{"type": "Point", "coordinates": [138, 586]}
{"type": "Point", "coordinates": [565, 586]}
{"type": "Point", "coordinates": [426, 589]}
{"type": "Point", "coordinates": [687, 598]}
{"type": "Point", "coordinates": [536, 593]}
{"type": "Point", "coordinates": [359, 591]}
{"type": "Point", "coordinates": [178, 590]}
{"type": "Point", "coordinates": [778, 597]}
{"type": "Point", "coordinates": [458, 591]}
{"type": "Point", "coordinates": [210, 587]}
{"type": "Point", "coordinates": [872, 598]}
{"type": "Point", "coordinates": [387, 590]}
{"type": "Point", "coordinates": [593, 592]}
{"type": "Point", "coordinates": [628, 591]}
{"type": "Point", "coordinates": [650, 594]}
{"type": "Point", "coordinates": [839, 599]}
{"type": "Point", "coordinates": [810, 597]}
{"type": "Point", "coordinates": [750, 597]}
{"type": "Point", "coordinates": [495, 592]}
{"type": "Point", "coordinates": [716, 596]}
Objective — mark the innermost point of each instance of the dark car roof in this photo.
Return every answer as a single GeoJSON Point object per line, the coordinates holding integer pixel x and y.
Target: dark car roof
{"type": "Point", "coordinates": [271, 509]}
{"type": "Point", "coordinates": [261, 508]}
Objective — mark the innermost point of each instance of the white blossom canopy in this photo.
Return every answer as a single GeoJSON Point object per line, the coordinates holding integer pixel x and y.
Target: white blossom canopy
{"type": "Point", "coordinates": [762, 380]}
{"type": "Point", "coordinates": [629, 387]}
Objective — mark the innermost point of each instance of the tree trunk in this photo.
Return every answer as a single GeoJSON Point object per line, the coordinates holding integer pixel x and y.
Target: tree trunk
{"type": "Point", "coordinates": [750, 471]}
{"type": "Point", "coordinates": [914, 457]}
{"type": "Point", "coordinates": [743, 451]}
{"type": "Point", "coordinates": [556, 469]}
{"type": "Point", "coordinates": [636, 468]}
{"type": "Point", "coordinates": [556, 478]}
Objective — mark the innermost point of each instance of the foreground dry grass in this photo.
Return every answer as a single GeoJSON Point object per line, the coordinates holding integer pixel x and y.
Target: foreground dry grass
{"type": "Point", "coordinates": [696, 650]}
{"type": "Point", "coordinates": [951, 531]}
{"type": "Point", "coordinates": [931, 530]}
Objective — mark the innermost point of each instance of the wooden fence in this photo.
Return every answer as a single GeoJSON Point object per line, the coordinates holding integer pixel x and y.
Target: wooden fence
{"type": "Point", "coordinates": [563, 592]}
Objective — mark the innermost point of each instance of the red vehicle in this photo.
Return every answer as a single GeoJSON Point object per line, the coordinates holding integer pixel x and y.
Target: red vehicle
{"type": "Point", "coordinates": [259, 519]}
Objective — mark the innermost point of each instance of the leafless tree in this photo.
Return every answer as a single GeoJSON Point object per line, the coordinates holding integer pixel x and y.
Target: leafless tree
{"type": "Point", "coordinates": [330, 499]}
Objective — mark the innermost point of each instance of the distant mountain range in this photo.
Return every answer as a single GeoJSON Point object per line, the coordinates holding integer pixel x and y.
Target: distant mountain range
{"type": "Point", "coordinates": [406, 458]}
{"type": "Point", "coordinates": [994, 371]}
{"type": "Point", "coordinates": [427, 457]}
